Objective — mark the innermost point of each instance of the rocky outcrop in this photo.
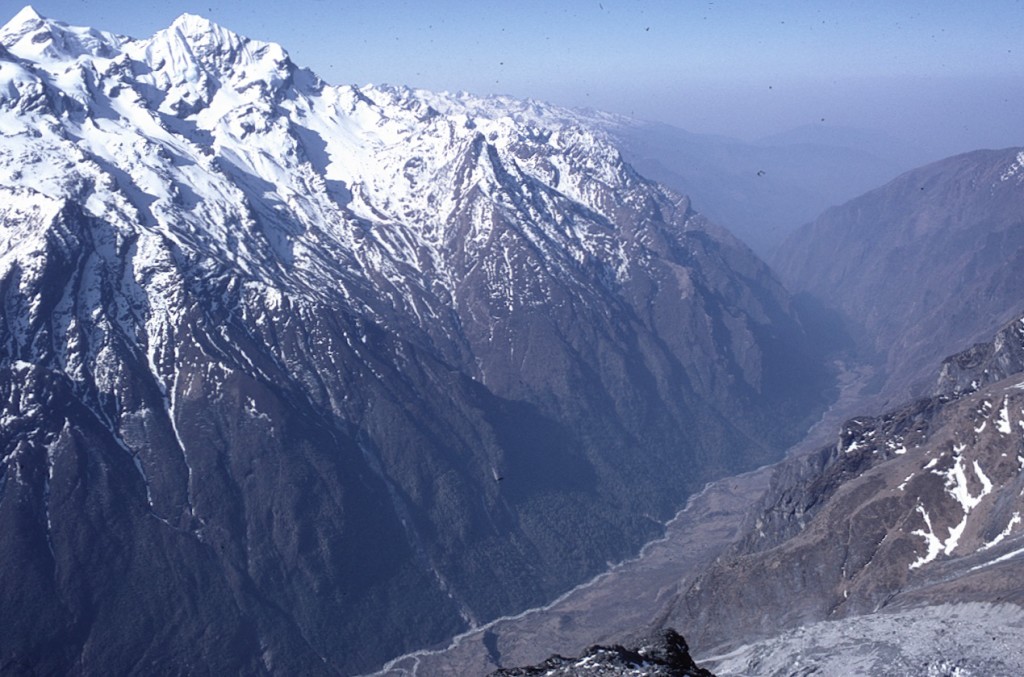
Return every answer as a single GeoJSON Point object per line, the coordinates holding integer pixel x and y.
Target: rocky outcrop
{"type": "Point", "coordinates": [664, 654]}
{"type": "Point", "coordinates": [984, 363]}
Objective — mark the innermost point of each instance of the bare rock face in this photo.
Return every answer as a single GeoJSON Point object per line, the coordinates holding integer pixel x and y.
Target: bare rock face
{"type": "Point", "coordinates": [297, 378]}
{"type": "Point", "coordinates": [984, 363]}
{"type": "Point", "coordinates": [922, 266]}
{"type": "Point", "coordinates": [664, 654]}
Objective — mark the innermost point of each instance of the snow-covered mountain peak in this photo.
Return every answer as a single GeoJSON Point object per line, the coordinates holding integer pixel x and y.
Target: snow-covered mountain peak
{"type": "Point", "coordinates": [216, 270]}
{"type": "Point", "coordinates": [197, 132]}
{"type": "Point", "coordinates": [192, 59]}
{"type": "Point", "coordinates": [196, 25]}
{"type": "Point", "coordinates": [215, 45]}
{"type": "Point", "coordinates": [32, 37]}
{"type": "Point", "coordinates": [28, 16]}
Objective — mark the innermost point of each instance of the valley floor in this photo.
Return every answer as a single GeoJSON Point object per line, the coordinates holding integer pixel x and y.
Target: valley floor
{"type": "Point", "coordinates": [612, 606]}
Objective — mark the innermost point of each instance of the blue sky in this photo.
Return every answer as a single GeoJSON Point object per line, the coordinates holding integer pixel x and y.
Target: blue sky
{"type": "Point", "coordinates": [939, 72]}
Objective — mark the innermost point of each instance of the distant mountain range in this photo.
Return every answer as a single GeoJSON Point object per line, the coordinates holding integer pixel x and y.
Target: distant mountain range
{"type": "Point", "coordinates": [764, 190]}
{"type": "Point", "coordinates": [296, 378]}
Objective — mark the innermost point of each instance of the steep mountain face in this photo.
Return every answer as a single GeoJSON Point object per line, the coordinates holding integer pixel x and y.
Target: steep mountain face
{"type": "Point", "coordinates": [984, 363]}
{"type": "Point", "coordinates": [919, 507]}
{"type": "Point", "coordinates": [922, 266]}
{"type": "Point", "coordinates": [299, 377]}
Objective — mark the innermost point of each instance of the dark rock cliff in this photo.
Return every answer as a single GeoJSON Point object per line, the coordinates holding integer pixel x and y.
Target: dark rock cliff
{"type": "Point", "coordinates": [664, 654]}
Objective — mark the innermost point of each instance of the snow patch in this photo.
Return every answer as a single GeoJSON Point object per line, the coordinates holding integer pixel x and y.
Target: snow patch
{"type": "Point", "coordinates": [1014, 169]}
{"type": "Point", "coordinates": [956, 485]}
{"type": "Point", "coordinates": [935, 545]}
{"type": "Point", "coordinates": [1014, 521]}
{"type": "Point", "coordinates": [1003, 424]}
{"type": "Point", "coordinates": [855, 445]}
{"type": "Point", "coordinates": [254, 412]}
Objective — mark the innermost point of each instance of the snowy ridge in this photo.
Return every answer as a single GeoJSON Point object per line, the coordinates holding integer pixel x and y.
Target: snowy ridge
{"type": "Point", "coordinates": [197, 126]}
{"type": "Point", "coordinates": [217, 147]}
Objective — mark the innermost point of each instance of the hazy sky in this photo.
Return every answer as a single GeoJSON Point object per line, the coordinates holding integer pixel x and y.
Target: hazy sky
{"type": "Point", "coordinates": [943, 73]}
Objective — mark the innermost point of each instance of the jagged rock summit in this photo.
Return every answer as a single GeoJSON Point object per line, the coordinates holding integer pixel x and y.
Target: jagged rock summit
{"type": "Point", "coordinates": [268, 346]}
{"type": "Point", "coordinates": [664, 654]}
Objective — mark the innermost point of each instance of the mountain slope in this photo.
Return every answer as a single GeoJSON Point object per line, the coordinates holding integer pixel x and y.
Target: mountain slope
{"type": "Point", "coordinates": [897, 549]}
{"type": "Point", "coordinates": [919, 507]}
{"type": "Point", "coordinates": [301, 377]}
{"type": "Point", "coordinates": [921, 266]}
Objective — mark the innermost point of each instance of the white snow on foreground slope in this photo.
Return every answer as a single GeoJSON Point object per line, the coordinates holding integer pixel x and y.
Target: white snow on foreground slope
{"type": "Point", "coordinates": [980, 474]}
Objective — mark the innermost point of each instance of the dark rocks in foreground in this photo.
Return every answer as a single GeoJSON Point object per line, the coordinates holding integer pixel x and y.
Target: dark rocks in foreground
{"type": "Point", "coordinates": [664, 654]}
